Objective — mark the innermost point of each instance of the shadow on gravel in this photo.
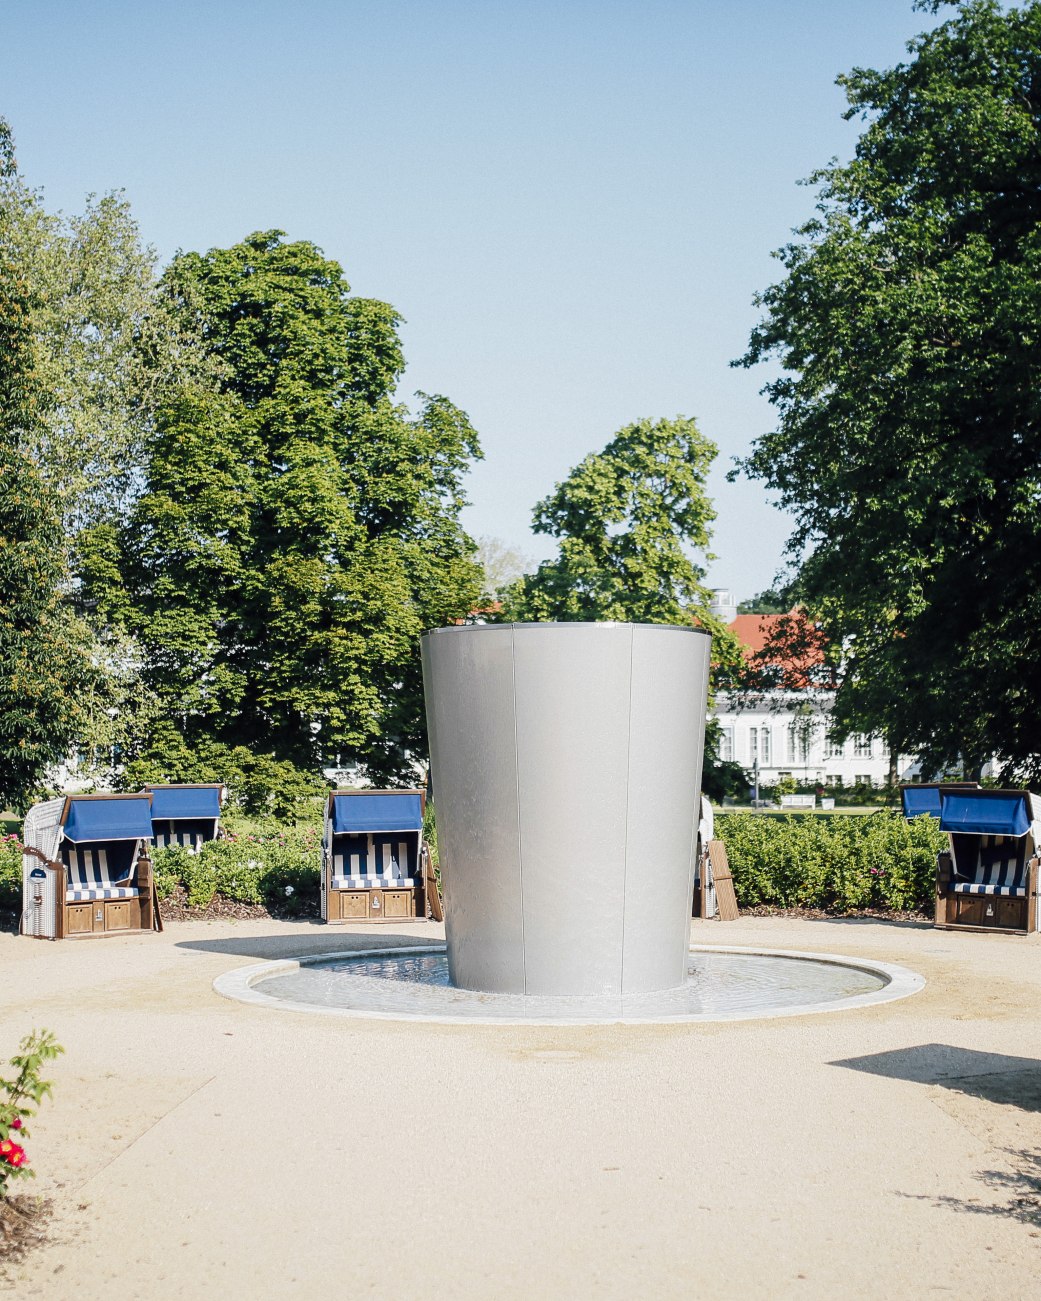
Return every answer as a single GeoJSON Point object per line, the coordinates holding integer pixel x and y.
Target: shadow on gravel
{"type": "Point", "coordinates": [1019, 1187]}
{"type": "Point", "coordinates": [994, 1077]}
{"type": "Point", "coordinates": [869, 919]}
{"type": "Point", "coordinates": [1012, 1085]}
{"type": "Point", "coordinates": [304, 941]}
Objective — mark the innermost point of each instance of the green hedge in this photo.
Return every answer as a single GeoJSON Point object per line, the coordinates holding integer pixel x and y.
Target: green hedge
{"type": "Point", "coordinates": [281, 867]}
{"type": "Point", "coordinates": [10, 872]}
{"type": "Point", "coordinates": [841, 864]}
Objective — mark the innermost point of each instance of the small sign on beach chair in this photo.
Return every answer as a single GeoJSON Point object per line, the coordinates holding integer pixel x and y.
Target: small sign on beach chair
{"type": "Point", "coordinates": [726, 899]}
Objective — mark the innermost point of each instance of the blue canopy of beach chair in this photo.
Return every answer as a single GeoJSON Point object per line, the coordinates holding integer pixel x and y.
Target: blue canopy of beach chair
{"type": "Point", "coordinates": [172, 802]}
{"type": "Point", "coordinates": [360, 813]}
{"type": "Point", "coordinates": [921, 799]}
{"type": "Point", "coordinates": [987, 813]}
{"type": "Point", "coordinates": [108, 819]}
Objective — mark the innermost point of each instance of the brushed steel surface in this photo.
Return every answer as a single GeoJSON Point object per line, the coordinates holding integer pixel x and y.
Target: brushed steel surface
{"type": "Point", "coordinates": [666, 742]}
{"type": "Point", "coordinates": [470, 720]}
{"type": "Point", "coordinates": [566, 766]}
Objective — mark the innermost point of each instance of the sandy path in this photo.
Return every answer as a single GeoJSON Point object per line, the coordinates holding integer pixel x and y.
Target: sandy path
{"type": "Point", "coordinates": [198, 1147]}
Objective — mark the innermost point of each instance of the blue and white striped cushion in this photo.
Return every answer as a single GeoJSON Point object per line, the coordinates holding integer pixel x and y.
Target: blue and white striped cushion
{"type": "Point", "coordinates": [1000, 869]}
{"type": "Point", "coordinates": [189, 839]}
{"type": "Point", "coordinates": [90, 873]}
{"type": "Point", "coordinates": [372, 882]}
{"type": "Point", "coordinates": [100, 892]}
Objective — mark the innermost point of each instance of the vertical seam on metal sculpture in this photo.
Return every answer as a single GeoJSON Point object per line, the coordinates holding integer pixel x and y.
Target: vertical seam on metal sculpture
{"type": "Point", "coordinates": [625, 846]}
{"type": "Point", "coordinates": [516, 780]}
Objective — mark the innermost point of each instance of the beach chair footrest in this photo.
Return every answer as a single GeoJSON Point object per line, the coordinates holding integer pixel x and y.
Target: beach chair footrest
{"type": "Point", "coordinates": [108, 916]}
{"type": "Point", "coordinates": [375, 905]}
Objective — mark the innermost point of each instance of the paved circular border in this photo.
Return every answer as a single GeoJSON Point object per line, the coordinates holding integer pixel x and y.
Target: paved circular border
{"type": "Point", "coordinates": [240, 985]}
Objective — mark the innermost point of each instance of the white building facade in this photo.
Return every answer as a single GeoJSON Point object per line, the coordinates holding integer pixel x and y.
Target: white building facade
{"type": "Point", "coordinates": [792, 743]}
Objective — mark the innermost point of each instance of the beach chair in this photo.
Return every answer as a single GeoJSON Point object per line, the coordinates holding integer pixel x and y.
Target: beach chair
{"type": "Point", "coordinates": [86, 869]}
{"type": "Point", "coordinates": [987, 878]}
{"type": "Point", "coordinates": [374, 860]}
{"type": "Point", "coordinates": [704, 902]}
{"type": "Point", "coordinates": [919, 799]}
{"type": "Point", "coordinates": [185, 815]}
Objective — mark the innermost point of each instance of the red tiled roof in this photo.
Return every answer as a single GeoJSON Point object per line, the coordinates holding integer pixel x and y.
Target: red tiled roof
{"type": "Point", "coordinates": [753, 630]}
{"type": "Point", "coordinates": [800, 661]}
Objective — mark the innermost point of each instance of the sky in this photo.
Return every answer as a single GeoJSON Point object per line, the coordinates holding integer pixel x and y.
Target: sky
{"type": "Point", "coordinates": [572, 204]}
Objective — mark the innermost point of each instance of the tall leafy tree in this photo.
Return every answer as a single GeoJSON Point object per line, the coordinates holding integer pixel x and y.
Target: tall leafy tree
{"type": "Point", "coordinates": [45, 667]}
{"type": "Point", "coordinates": [628, 519]}
{"type": "Point", "coordinates": [298, 528]}
{"type": "Point", "coordinates": [908, 442]}
{"type": "Point", "coordinates": [108, 346]}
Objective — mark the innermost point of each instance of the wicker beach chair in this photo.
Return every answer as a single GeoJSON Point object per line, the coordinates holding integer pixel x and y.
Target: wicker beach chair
{"type": "Point", "coordinates": [185, 815]}
{"type": "Point", "coordinates": [704, 901]}
{"type": "Point", "coordinates": [987, 878]}
{"type": "Point", "coordinates": [86, 868]}
{"type": "Point", "coordinates": [374, 861]}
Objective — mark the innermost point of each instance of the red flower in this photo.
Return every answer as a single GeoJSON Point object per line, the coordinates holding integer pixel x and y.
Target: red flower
{"type": "Point", "coordinates": [16, 1123]}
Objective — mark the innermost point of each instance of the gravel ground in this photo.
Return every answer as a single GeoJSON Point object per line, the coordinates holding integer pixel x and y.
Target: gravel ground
{"type": "Point", "coordinates": [198, 1147]}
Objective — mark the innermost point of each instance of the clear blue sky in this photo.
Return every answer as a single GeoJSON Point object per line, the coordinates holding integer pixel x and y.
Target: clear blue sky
{"type": "Point", "coordinates": [571, 203]}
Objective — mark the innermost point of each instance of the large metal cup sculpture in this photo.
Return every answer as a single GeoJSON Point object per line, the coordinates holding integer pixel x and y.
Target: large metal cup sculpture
{"type": "Point", "coordinates": [566, 765]}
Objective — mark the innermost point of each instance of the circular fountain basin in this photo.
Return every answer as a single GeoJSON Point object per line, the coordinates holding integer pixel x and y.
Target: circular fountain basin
{"type": "Point", "coordinates": [722, 984]}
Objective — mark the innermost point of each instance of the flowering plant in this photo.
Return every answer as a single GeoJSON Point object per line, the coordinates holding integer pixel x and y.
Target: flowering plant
{"type": "Point", "coordinates": [20, 1099]}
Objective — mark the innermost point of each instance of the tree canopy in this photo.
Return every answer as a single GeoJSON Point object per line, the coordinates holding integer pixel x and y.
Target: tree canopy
{"type": "Point", "coordinates": [627, 518]}
{"type": "Point", "coordinates": [45, 668]}
{"type": "Point", "coordinates": [908, 442]}
{"type": "Point", "coordinates": [298, 528]}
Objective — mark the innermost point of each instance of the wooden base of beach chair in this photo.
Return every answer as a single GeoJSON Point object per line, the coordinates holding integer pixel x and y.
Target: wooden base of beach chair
{"type": "Point", "coordinates": [372, 905]}
{"type": "Point", "coordinates": [981, 912]}
{"type": "Point", "coordinates": [107, 917]}
{"type": "Point", "coordinates": [726, 899]}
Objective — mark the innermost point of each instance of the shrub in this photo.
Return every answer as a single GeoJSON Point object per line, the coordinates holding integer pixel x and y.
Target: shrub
{"type": "Point", "coordinates": [840, 864]}
{"type": "Point", "coordinates": [10, 872]}
{"type": "Point", "coordinates": [280, 866]}
{"type": "Point", "coordinates": [20, 1098]}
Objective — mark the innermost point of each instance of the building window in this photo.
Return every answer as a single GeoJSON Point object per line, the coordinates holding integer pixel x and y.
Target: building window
{"type": "Point", "coordinates": [784, 776]}
{"type": "Point", "coordinates": [798, 743]}
{"type": "Point", "coordinates": [863, 780]}
{"type": "Point", "coordinates": [726, 744]}
{"type": "Point", "coordinates": [862, 747]}
{"type": "Point", "coordinates": [753, 743]}
{"type": "Point", "coordinates": [833, 779]}
{"type": "Point", "coordinates": [834, 749]}
{"type": "Point", "coordinates": [764, 744]}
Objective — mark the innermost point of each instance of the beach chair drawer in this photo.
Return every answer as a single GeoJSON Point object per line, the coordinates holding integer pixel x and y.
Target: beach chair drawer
{"type": "Point", "coordinates": [397, 903]}
{"type": "Point", "coordinates": [989, 910]}
{"type": "Point", "coordinates": [117, 915]}
{"type": "Point", "coordinates": [354, 905]}
{"type": "Point", "coordinates": [79, 918]}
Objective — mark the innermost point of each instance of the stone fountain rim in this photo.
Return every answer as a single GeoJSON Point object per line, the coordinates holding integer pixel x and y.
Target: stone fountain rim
{"type": "Point", "coordinates": [239, 985]}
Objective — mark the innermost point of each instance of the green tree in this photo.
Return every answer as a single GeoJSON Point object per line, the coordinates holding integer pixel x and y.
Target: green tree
{"type": "Point", "coordinates": [908, 442]}
{"type": "Point", "coordinates": [298, 528]}
{"type": "Point", "coordinates": [627, 519]}
{"type": "Point", "coordinates": [108, 346]}
{"type": "Point", "coordinates": [45, 666]}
